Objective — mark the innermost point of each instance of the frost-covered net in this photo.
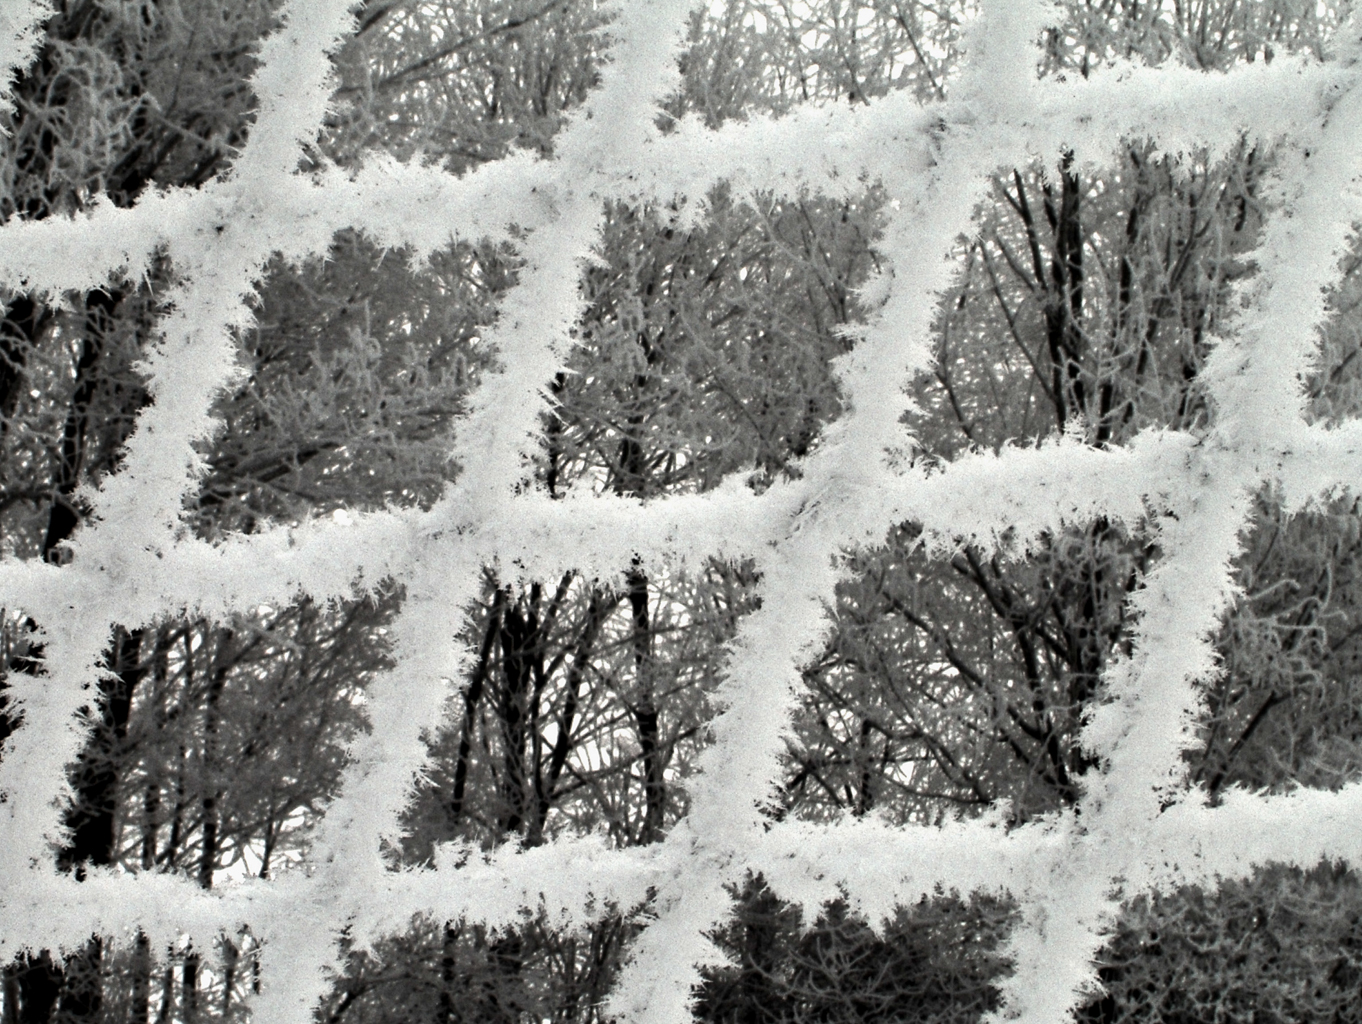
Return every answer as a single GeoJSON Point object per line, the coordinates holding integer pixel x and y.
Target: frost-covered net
{"type": "Point", "coordinates": [1138, 825]}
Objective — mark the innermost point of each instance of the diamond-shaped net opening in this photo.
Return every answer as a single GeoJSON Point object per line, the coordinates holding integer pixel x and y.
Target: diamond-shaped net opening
{"type": "Point", "coordinates": [356, 366]}
{"type": "Point", "coordinates": [1088, 299]}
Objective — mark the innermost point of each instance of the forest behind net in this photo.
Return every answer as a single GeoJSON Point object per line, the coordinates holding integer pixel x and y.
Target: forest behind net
{"type": "Point", "coordinates": [1138, 824]}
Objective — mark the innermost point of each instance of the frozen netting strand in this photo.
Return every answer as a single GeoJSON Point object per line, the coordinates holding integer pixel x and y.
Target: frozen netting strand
{"type": "Point", "coordinates": [822, 148]}
{"type": "Point", "coordinates": [398, 205]}
{"type": "Point", "coordinates": [138, 508]}
{"type": "Point", "coordinates": [736, 774]}
{"type": "Point", "coordinates": [1255, 378]}
{"type": "Point", "coordinates": [219, 239]}
{"type": "Point", "coordinates": [768, 156]}
{"type": "Point", "coordinates": [219, 262]}
{"type": "Point", "coordinates": [531, 338]}
{"type": "Point", "coordinates": [20, 34]}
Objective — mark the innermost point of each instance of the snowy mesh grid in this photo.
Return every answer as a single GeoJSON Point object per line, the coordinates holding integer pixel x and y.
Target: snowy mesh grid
{"type": "Point", "coordinates": [1140, 829]}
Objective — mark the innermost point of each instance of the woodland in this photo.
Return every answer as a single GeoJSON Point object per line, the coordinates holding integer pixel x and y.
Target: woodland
{"type": "Point", "coordinates": [1084, 304]}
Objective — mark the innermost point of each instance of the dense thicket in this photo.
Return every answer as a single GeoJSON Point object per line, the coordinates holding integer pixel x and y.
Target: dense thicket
{"type": "Point", "coordinates": [1086, 302]}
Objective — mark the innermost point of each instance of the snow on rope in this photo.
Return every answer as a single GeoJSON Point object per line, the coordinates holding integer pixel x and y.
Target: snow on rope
{"type": "Point", "coordinates": [1140, 827]}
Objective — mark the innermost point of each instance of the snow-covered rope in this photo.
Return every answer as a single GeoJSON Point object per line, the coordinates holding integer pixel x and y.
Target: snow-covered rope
{"type": "Point", "coordinates": [20, 35]}
{"type": "Point", "coordinates": [1153, 699]}
{"type": "Point", "coordinates": [409, 205]}
{"type": "Point", "coordinates": [195, 360]}
{"type": "Point", "coordinates": [531, 338]}
{"type": "Point", "coordinates": [762, 681]}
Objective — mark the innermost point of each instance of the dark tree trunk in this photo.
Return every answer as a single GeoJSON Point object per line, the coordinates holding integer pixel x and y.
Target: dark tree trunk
{"type": "Point", "coordinates": [212, 791]}
{"type": "Point", "coordinates": [448, 1014]}
{"type": "Point", "coordinates": [231, 956]}
{"type": "Point", "coordinates": [64, 517]}
{"type": "Point", "coordinates": [166, 1011]}
{"type": "Point", "coordinates": [645, 710]}
{"type": "Point", "coordinates": [25, 320]}
{"type": "Point", "coordinates": [141, 981]}
{"type": "Point", "coordinates": [520, 645]}
{"type": "Point", "coordinates": [92, 818]}
{"type": "Point", "coordinates": [36, 983]}
{"type": "Point", "coordinates": [189, 984]}
{"type": "Point", "coordinates": [471, 696]}
{"type": "Point", "coordinates": [598, 610]}
{"type": "Point", "coordinates": [82, 993]}
{"type": "Point", "coordinates": [1064, 308]}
